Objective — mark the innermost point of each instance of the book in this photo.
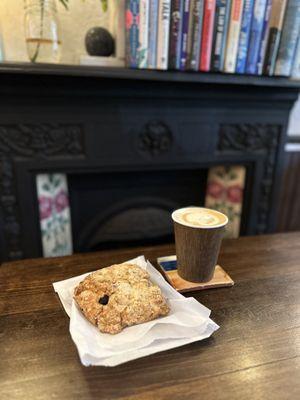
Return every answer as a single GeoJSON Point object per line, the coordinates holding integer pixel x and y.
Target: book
{"type": "Point", "coordinates": [143, 34]}
{"type": "Point", "coordinates": [289, 37]}
{"type": "Point", "coordinates": [296, 63]}
{"type": "Point", "coordinates": [222, 15]}
{"type": "Point", "coordinates": [264, 38]}
{"type": "Point", "coordinates": [164, 13]}
{"type": "Point", "coordinates": [207, 34]}
{"type": "Point", "coordinates": [194, 36]}
{"type": "Point", "coordinates": [132, 32]}
{"type": "Point", "coordinates": [255, 35]}
{"type": "Point", "coordinates": [274, 33]}
{"type": "Point", "coordinates": [184, 34]}
{"type": "Point", "coordinates": [152, 34]}
{"type": "Point", "coordinates": [175, 34]}
{"type": "Point", "coordinates": [244, 37]}
{"type": "Point", "coordinates": [233, 35]}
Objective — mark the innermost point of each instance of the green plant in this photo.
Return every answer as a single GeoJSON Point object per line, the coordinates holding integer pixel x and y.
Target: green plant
{"type": "Point", "coordinates": [65, 4]}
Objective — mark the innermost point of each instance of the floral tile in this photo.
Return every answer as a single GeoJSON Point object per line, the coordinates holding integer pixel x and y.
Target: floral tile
{"type": "Point", "coordinates": [225, 188]}
{"type": "Point", "coordinates": [55, 218]}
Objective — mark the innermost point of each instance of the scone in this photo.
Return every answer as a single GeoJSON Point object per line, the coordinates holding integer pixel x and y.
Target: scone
{"type": "Point", "coordinates": [119, 296]}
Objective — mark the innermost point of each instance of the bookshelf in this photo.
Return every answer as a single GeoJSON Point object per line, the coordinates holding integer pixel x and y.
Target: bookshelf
{"type": "Point", "coordinates": [247, 37]}
{"type": "Point", "coordinates": [146, 75]}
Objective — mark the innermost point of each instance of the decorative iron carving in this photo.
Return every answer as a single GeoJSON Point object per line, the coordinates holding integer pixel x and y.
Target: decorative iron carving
{"type": "Point", "coordinates": [41, 140]}
{"type": "Point", "coordinates": [29, 141]}
{"type": "Point", "coordinates": [248, 137]}
{"type": "Point", "coordinates": [255, 138]}
{"type": "Point", "coordinates": [11, 225]}
{"type": "Point", "coordinates": [155, 138]}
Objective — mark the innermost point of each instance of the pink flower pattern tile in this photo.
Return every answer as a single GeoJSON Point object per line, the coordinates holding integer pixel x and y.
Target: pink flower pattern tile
{"type": "Point", "coordinates": [225, 188]}
{"type": "Point", "coordinates": [54, 210]}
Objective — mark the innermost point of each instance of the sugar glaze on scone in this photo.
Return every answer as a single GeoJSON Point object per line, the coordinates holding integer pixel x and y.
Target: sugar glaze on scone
{"type": "Point", "coordinates": [119, 296]}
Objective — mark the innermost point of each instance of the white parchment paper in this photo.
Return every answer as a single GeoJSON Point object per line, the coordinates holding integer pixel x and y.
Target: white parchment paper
{"type": "Point", "coordinates": [187, 322]}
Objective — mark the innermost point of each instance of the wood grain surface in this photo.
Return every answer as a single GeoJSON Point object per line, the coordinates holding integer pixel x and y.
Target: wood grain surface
{"type": "Point", "coordinates": [219, 279]}
{"type": "Point", "coordinates": [254, 355]}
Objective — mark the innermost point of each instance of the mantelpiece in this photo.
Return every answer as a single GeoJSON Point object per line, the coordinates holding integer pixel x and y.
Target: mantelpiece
{"type": "Point", "coordinates": [91, 121]}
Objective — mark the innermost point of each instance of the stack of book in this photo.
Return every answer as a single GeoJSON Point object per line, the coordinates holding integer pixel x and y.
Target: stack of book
{"type": "Point", "coordinates": [258, 37]}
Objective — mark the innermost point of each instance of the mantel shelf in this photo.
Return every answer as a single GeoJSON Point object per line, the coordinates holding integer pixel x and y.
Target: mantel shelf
{"type": "Point", "coordinates": [144, 75]}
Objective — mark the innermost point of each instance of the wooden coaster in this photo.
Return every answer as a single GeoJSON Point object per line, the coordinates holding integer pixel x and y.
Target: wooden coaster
{"type": "Point", "coordinates": [168, 267]}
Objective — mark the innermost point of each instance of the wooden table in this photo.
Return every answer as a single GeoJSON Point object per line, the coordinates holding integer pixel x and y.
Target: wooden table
{"type": "Point", "coordinates": [254, 355]}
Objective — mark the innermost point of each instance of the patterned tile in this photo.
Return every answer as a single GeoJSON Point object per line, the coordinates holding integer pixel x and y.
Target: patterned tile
{"type": "Point", "coordinates": [225, 188]}
{"type": "Point", "coordinates": [55, 218]}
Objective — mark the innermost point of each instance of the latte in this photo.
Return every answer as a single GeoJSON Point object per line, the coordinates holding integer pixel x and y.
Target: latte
{"type": "Point", "coordinates": [198, 217]}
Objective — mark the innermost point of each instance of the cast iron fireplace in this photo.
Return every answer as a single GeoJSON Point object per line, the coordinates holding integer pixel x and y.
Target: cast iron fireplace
{"type": "Point", "coordinates": [134, 145]}
{"type": "Point", "coordinates": [129, 208]}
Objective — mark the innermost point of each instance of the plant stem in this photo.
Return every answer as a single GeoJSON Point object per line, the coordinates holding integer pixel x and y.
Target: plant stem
{"type": "Point", "coordinates": [37, 50]}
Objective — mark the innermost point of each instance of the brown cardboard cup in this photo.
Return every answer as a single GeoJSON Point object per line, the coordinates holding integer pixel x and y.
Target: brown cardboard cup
{"type": "Point", "coordinates": [197, 248]}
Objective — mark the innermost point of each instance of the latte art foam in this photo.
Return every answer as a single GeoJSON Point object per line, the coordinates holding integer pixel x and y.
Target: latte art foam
{"type": "Point", "coordinates": [199, 217]}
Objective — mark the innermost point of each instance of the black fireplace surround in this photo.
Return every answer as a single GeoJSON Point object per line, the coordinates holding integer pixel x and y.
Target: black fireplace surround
{"type": "Point", "coordinates": [134, 145]}
{"type": "Point", "coordinates": [129, 208]}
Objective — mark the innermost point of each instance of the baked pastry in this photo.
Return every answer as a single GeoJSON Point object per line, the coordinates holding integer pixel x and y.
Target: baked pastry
{"type": "Point", "coordinates": [119, 296]}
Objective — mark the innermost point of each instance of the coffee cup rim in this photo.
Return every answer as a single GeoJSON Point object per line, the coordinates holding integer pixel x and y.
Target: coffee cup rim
{"type": "Point", "coordinates": [199, 227]}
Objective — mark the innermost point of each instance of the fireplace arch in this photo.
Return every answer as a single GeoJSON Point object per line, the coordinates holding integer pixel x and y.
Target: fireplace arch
{"type": "Point", "coordinates": [129, 222]}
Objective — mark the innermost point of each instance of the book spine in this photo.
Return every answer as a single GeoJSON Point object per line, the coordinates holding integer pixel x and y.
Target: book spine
{"type": "Point", "coordinates": [143, 34]}
{"type": "Point", "coordinates": [197, 15]}
{"type": "Point", "coordinates": [164, 13]}
{"type": "Point", "coordinates": [296, 63]}
{"type": "Point", "coordinates": [207, 34]}
{"type": "Point", "coordinates": [175, 34]}
{"type": "Point", "coordinates": [220, 34]}
{"type": "Point", "coordinates": [152, 34]}
{"type": "Point", "coordinates": [189, 36]}
{"type": "Point", "coordinates": [132, 32]}
{"type": "Point", "coordinates": [274, 33]}
{"type": "Point", "coordinates": [288, 41]}
{"type": "Point", "coordinates": [255, 35]}
{"type": "Point", "coordinates": [233, 35]}
{"type": "Point", "coordinates": [264, 38]}
{"type": "Point", "coordinates": [184, 33]}
{"type": "Point", "coordinates": [244, 37]}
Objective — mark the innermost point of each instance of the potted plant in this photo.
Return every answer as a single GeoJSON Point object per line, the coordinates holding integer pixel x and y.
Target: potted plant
{"type": "Point", "coordinates": [42, 33]}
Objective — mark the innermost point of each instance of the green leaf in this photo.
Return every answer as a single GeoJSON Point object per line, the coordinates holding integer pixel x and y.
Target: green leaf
{"type": "Point", "coordinates": [65, 3]}
{"type": "Point", "coordinates": [46, 187]}
{"type": "Point", "coordinates": [104, 5]}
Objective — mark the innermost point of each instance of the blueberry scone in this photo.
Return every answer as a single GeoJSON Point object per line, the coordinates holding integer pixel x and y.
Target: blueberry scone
{"type": "Point", "coordinates": [119, 296]}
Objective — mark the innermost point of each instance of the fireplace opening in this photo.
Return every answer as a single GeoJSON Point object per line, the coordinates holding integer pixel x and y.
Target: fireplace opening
{"type": "Point", "coordinates": [123, 209]}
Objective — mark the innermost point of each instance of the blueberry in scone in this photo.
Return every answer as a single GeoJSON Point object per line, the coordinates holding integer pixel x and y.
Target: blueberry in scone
{"type": "Point", "coordinates": [119, 296]}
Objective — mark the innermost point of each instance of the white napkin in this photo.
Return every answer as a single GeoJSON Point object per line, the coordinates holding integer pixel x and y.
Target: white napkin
{"type": "Point", "coordinates": [187, 322]}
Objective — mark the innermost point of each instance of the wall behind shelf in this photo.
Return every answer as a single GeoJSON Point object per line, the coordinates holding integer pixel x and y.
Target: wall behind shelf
{"type": "Point", "coordinates": [82, 14]}
{"type": "Point", "coordinates": [294, 124]}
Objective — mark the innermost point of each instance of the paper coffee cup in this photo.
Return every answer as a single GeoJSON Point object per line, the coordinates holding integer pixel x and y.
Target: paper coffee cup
{"type": "Point", "coordinates": [198, 236]}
